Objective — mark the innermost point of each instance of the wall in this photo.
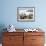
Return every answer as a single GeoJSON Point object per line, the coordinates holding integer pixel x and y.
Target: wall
{"type": "Point", "coordinates": [9, 13]}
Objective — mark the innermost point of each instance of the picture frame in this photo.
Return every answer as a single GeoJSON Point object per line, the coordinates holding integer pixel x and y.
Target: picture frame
{"type": "Point", "coordinates": [26, 14]}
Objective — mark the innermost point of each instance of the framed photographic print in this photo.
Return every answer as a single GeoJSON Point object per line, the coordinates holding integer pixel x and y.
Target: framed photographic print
{"type": "Point", "coordinates": [26, 14]}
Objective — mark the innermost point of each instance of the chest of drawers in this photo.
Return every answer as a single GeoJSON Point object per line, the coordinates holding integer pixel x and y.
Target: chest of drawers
{"type": "Point", "coordinates": [23, 39]}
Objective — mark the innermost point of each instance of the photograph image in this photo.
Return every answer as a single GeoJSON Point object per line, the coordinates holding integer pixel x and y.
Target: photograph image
{"type": "Point", "coordinates": [25, 14]}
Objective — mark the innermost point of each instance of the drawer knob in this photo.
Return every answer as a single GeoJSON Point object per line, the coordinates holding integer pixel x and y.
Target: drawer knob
{"type": "Point", "coordinates": [33, 39]}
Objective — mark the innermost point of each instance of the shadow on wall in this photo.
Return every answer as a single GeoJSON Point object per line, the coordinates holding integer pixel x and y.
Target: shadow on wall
{"type": "Point", "coordinates": [2, 26]}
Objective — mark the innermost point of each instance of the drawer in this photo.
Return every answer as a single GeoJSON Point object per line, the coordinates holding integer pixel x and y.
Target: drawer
{"type": "Point", "coordinates": [13, 44]}
{"type": "Point", "coordinates": [37, 44]}
{"type": "Point", "coordinates": [27, 37]}
{"type": "Point", "coordinates": [34, 33]}
{"type": "Point", "coordinates": [13, 33]}
{"type": "Point", "coordinates": [12, 39]}
{"type": "Point", "coordinates": [37, 39]}
{"type": "Point", "coordinates": [9, 45]}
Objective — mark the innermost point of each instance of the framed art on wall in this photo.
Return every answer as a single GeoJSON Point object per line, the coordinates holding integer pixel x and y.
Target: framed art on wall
{"type": "Point", "coordinates": [26, 14]}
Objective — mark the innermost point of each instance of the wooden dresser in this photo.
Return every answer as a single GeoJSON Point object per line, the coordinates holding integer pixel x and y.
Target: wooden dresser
{"type": "Point", "coordinates": [23, 39]}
